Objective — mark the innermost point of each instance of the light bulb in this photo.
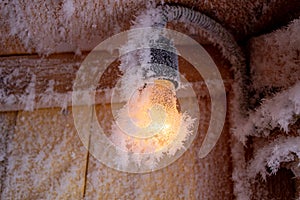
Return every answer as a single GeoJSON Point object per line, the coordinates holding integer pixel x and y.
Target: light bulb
{"type": "Point", "coordinates": [153, 105]}
{"type": "Point", "coordinates": [150, 120]}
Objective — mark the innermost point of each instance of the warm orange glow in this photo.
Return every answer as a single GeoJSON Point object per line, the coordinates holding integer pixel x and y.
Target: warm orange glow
{"type": "Point", "coordinates": [153, 111]}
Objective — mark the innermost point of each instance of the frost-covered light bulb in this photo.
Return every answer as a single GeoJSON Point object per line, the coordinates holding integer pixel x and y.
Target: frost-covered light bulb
{"type": "Point", "coordinates": [150, 120]}
{"type": "Point", "coordinates": [153, 107]}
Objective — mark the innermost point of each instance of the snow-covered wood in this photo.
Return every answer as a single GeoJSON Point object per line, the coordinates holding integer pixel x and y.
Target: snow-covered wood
{"type": "Point", "coordinates": [38, 148]}
{"type": "Point", "coordinates": [32, 82]}
{"type": "Point", "coordinates": [46, 27]}
{"type": "Point", "coordinates": [46, 159]}
{"type": "Point", "coordinates": [268, 136]}
{"type": "Point", "coordinates": [7, 126]}
{"type": "Point", "coordinates": [275, 60]}
{"type": "Point", "coordinates": [280, 111]}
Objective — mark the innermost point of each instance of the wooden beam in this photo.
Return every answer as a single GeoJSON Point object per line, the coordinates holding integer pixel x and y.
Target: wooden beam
{"type": "Point", "coordinates": [30, 82]}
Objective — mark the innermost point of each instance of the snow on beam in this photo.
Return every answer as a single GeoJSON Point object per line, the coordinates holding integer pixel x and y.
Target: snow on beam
{"type": "Point", "coordinates": [279, 111]}
{"type": "Point", "coordinates": [24, 78]}
{"type": "Point", "coordinates": [274, 58]}
{"type": "Point", "coordinates": [272, 155]}
{"type": "Point", "coordinates": [31, 82]}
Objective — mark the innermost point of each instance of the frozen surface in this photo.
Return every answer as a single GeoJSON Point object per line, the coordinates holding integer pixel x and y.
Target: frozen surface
{"type": "Point", "coordinates": [188, 177]}
{"type": "Point", "coordinates": [46, 159]}
{"type": "Point", "coordinates": [279, 111]}
{"type": "Point", "coordinates": [7, 124]}
{"type": "Point", "coordinates": [73, 25]}
{"type": "Point", "coordinates": [45, 27]}
{"type": "Point", "coordinates": [274, 59]}
{"type": "Point", "coordinates": [273, 155]}
{"type": "Point", "coordinates": [274, 63]}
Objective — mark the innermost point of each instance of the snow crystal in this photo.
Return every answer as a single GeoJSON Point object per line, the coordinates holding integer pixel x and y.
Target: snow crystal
{"type": "Point", "coordinates": [29, 101]}
{"type": "Point", "coordinates": [68, 8]}
{"type": "Point", "coordinates": [273, 155]}
{"type": "Point", "coordinates": [274, 59]}
{"type": "Point", "coordinates": [280, 111]}
{"type": "Point", "coordinates": [47, 27]}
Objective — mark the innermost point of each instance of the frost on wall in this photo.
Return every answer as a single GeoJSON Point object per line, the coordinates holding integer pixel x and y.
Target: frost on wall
{"type": "Point", "coordinates": [189, 177]}
{"type": "Point", "coordinates": [48, 160]}
{"type": "Point", "coordinates": [62, 22]}
{"type": "Point", "coordinates": [38, 82]}
{"type": "Point", "coordinates": [7, 123]}
{"type": "Point", "coordinates": [275, 59]}
{"type": "Point", "coordinates": [45, 158]}
{"type": "Point", "coordinates": [46, 27]}
{"type": "Point", "coordinates": [280, 111]}
{"type": "Point", "coordinates": [274, 62]}
{"type": "Point", "coordinates": [274, 155]}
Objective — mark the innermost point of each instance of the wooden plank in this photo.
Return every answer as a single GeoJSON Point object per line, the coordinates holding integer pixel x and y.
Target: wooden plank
{"type": "Point", "coordinates": [7, 125]}
{"type": "Point", "coordinates": [32, 82]}
{"type": "Point", "coordinates": [25, 77]}
{"type": "Point", "coordinates": [46, 158]}
{"type": "Point", "coordinates": [275, 60]}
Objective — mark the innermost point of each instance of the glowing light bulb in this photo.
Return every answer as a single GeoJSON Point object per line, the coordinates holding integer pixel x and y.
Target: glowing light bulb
{"type": "Point", "coordinates": [152, 106]}
{"type": "Point", "coordinates": [150, 120]}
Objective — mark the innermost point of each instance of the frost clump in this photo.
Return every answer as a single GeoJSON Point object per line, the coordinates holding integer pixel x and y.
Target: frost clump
{"type": "Point", "coordinates": [282, 150]}
{"type": "Point", "coordinates": [280, 111]}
